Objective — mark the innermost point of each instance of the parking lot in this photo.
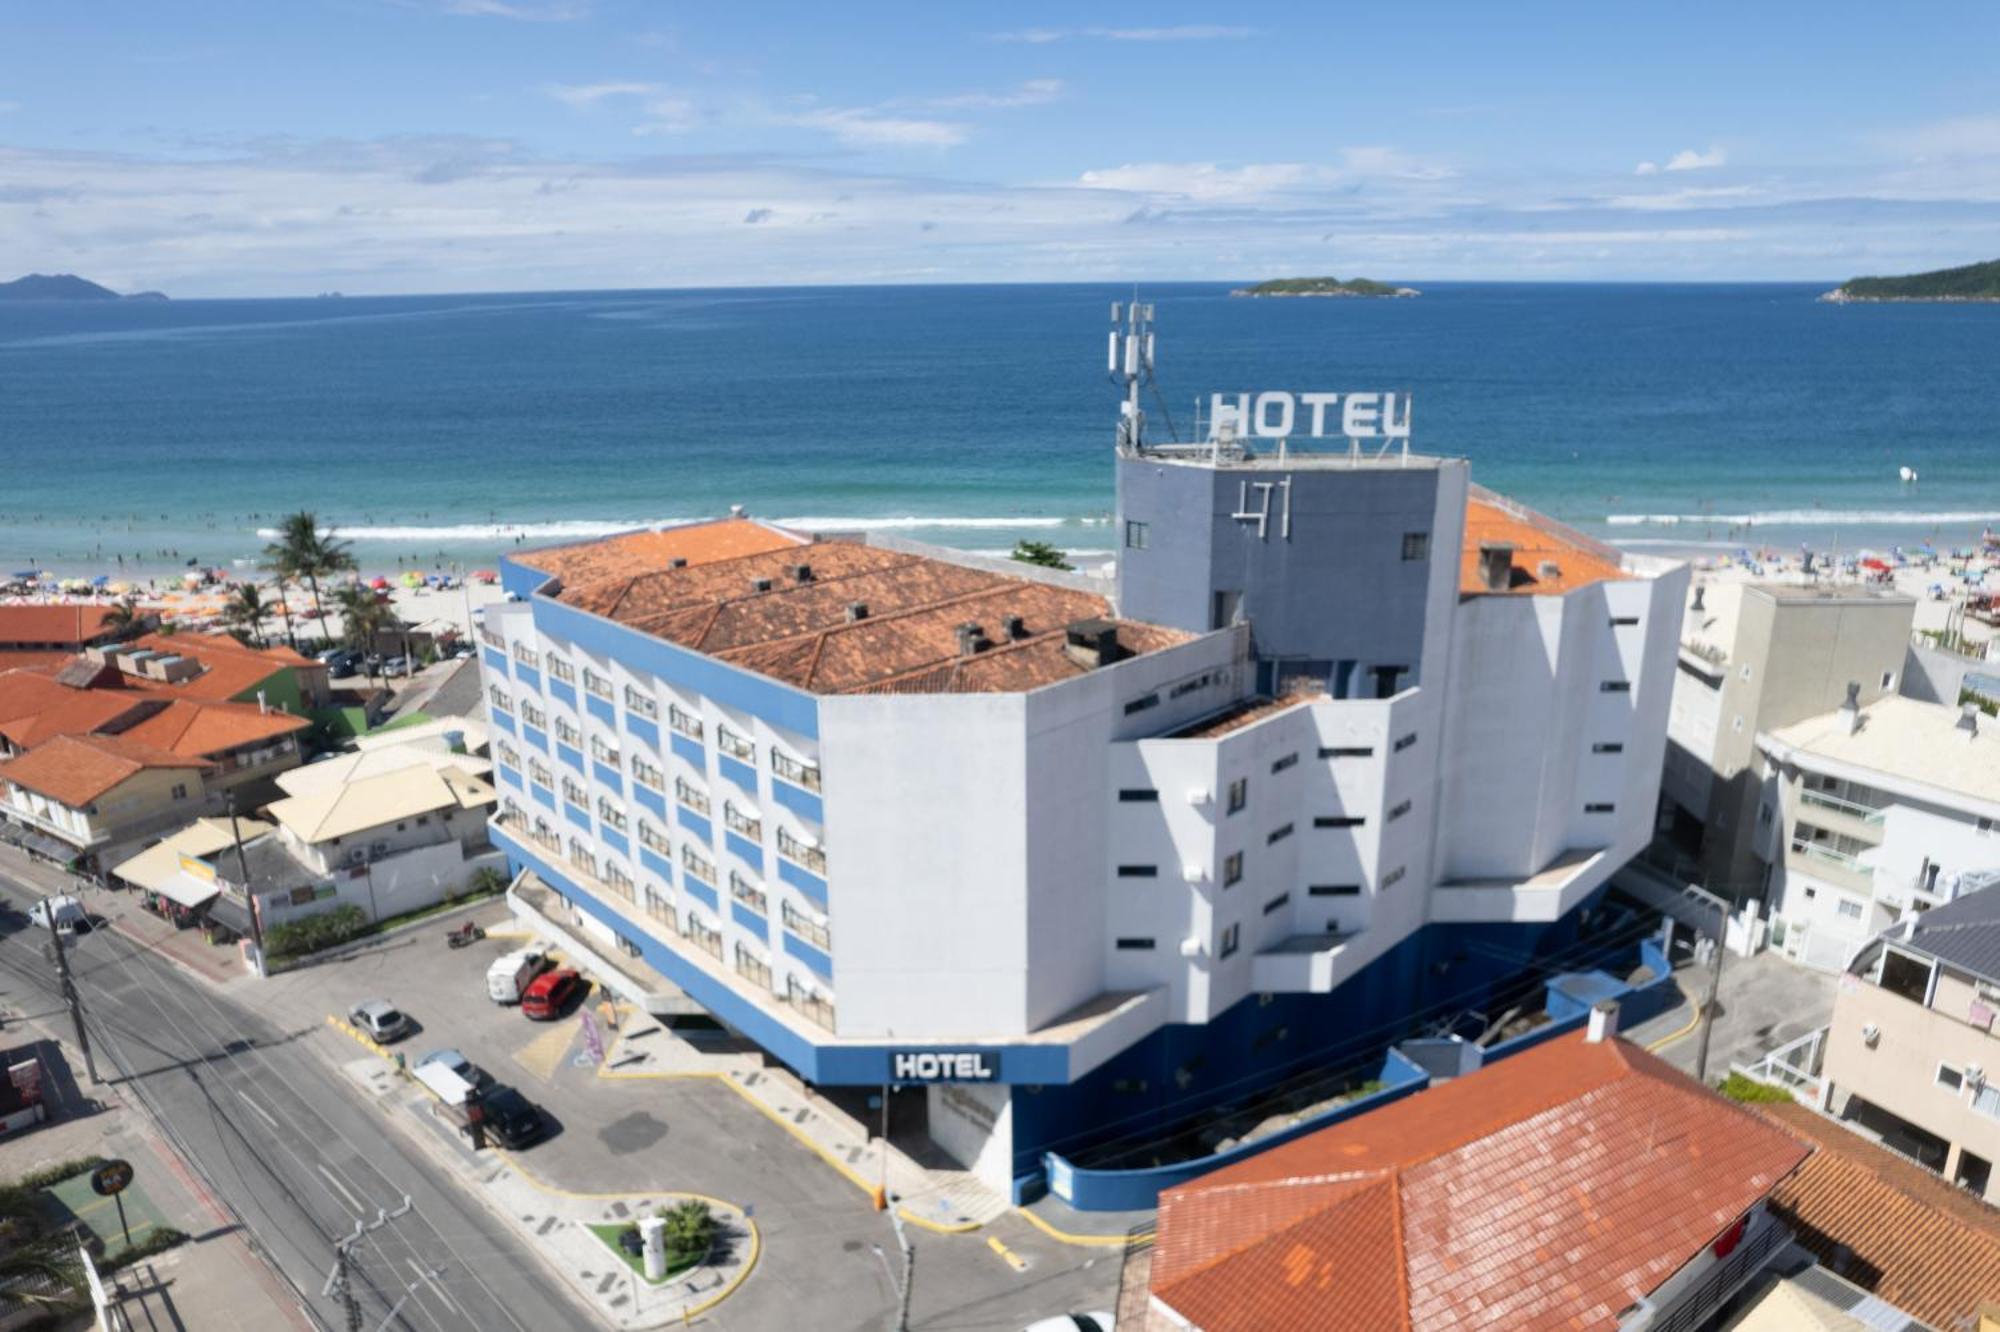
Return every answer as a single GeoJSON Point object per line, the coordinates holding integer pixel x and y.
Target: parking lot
{"type": "Point", "coordinates": [616, 1135]}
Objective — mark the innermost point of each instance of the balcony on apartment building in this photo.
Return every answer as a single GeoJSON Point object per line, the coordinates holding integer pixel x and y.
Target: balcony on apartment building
{"type": "Point", "coordinates": [1834, 858]}
{"type": "Point", "coordinates": [1302, 964]}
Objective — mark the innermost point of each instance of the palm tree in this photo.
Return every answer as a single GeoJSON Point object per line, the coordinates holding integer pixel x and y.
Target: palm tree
{"type": "Point", "coordinates": [307, 551]}
{"type": "Point", "coordinates": [38, 1266]}
{"type": "Point", "coordinates": [363, 618]}
{"type": "Point", "coordinates": [245, 611]}
{"type": "Point", "coordinates": [123, 617]}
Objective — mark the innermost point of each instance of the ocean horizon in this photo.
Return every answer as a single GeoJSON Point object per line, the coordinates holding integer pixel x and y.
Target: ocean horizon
{"type": "Point", "coordinates": [439, 431]}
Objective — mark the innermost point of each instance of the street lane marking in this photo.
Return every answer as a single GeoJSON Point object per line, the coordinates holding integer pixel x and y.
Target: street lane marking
{"type": "Point", "coordinates": [542, 1055]}
{"type": "Point", "coordinates": [341, 1189]}
{"type": "Point", "coordinates": [1007, 1255]}
{"type": "Point", "coordinates": [431, 1281]}
{"type": "Point", "coordinates": [262, 1113]}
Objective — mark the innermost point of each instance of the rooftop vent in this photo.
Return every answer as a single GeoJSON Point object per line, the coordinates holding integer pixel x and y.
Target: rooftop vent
{"type": "Point", "coordinates": [856, 610]}
{"type": "Point", "coordinates": [1967, 724]}
{"type": "Point", "coordinates": [1850, 708]}
{"type": "Point", "coordinates": [1697, 606]}
{"type": "Point", "coordinates": [972, 639]}
{"type": "Point", "coordinates": [678, 562]}
{"type": "Point", "coordinates": [1013, 628]}
{"type": "Point", "coordinates": [1603, 1021]}
{"type": "Point", "coordinates": [760, 585]}
{"type": "Point", "coordinates": [1548, 571]}
{"type": "Point", "coordinates": [802, 573]}
{"type": "Point", "coordinates": [1496, 565]}
{"type": "Point", "coordinates": [736, 511]}
{"type": "Point", "coordinates": [1092, 643]}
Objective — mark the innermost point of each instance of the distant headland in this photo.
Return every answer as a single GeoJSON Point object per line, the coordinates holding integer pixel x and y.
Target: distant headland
{"type": "Point", "coordinates": [1324, 286]}
{"type": "Point", "coordinates": [65, 287]}
{"type": "Point", "coordinates": [1973, 282]}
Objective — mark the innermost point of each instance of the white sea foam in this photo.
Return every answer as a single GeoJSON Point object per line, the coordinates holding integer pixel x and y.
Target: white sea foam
{"type": "Point", "coordinates": [583, 529]}
{"type": "Point", "coordinates": [914, 521]}
{"type": "Point", "coordinates": [1809, 518]}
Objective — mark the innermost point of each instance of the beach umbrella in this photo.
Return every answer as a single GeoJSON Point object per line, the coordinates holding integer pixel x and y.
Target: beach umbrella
{"type": "Point", "coordinates": [411, 578]}
{"type": "Point", "coordinates": [102, 580]}
{"type": "Point", "coordinates": [486, 576]}
{"type": "Point", "coordinates": [378, 582]}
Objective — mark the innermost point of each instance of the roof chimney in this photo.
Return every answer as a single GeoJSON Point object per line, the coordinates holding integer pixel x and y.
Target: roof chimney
{"type": "Point", "coordinates": [1968, 720]}
{"type": "Point", "coordinates": [1092, 643]}
{"type": "Point", "coordinates": [1548, 570]}
{"type": "Point", "coordinates": [856, 610]}
{"type": "Point", "coordinates": [802, 573]}
{"type": "Point", "coordinates": [678, 562]}
{"type": "Point", "coordinates": [1697, 607]}
{"type": "Point", "coordinates": [1850, 708]}
{"type": "Point", "coordinates": [736, 511]}
{"type": "Point", "coordinates": [972, 639]}
{"type": "Point", "coordinates": [760, 585]}
{"type": "Point", "coordinates": [1603, 1021]}
{"type": "Point", "coordinates": [1496, 565]}
{"type": "Point", "coordinates": [1013, 628]}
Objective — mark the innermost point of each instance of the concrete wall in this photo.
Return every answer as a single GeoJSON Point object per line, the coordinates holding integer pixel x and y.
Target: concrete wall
{"type": "Point", "coordinates": [1932, 675]}
{"type": "Point", "coordinates": [400, 884]}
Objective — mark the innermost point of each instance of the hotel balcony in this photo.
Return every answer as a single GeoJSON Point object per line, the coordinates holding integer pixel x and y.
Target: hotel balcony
{"type": "Point", "coordinates": [1545, 895]}
{"type": "Point", "coordinates": [1846, 818]}
{"type": "Point", "coordinates": [1302, 964]}
{"type": "Point", "coordinates": [1839, 868]}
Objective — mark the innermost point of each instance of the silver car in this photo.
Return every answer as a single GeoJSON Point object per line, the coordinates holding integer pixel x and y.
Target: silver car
{"type": "Point", "coordinates": [380, 1019]}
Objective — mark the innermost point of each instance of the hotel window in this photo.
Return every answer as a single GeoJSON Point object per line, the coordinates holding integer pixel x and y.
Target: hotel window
{"type": "Point", "coordinates": [1232, 868]}
{"type": "Point", "coordinates": [1239, 794]}
{"type": "Point", "coordinates": [651, 836]}
{"type": "Point", "coordinates": [1391, 879]}
{"type": "Point", "coordinates": [1848, 908]}
{"type": "Point", "coordinates": [1600, 807]}
{"type": "Point", "coordinates": [1346, 751]}
{"type": "Point", "coordinates": [619, 881]}
{"type": "Point", "coordinates": [509, 755]}
{"type": "Point", "coordinates": [1278, 834]}
{"type": "Point", "coordinates": [683, 721]}
{"type": "Point", "coordinates": [568, 732]}
{"type": "Point", "coordinates": [749, 894]}
{"type": "Point", "coordinates": [1616, 687]}
{"type": "Point", "coordinates": [1288, 761]}
{"type": "Point", "coordinates": [648, 774]}
{"type": "Point", "coordinates": [526, 655]}
{"type": "Point", "coordinates": [737, 821]}
{"type": "Point", "coordinates": [1987, 1100]}
{"type": "Point", "coordinates": [491, 639]}
{"type": "Point", "coordinates": [560, 669]}
{"type": "Point", "coordinates": [1397, 811]}
{"type": "Point", "coordinates": [1404, 742]}
{"type": "Point", "coordinates": [752, 967]}
{"type": "Point", "coordinates": [1416, 545]}
{"type": "Point", "coordinates": [1338, 821]}
{"type": "Point", "coordinates": [1231, 938]}
{"type": "Point", "coordinates": [735, 745]}
{"type": "Point", "coordinates": [501, 703]}
{"type": "Point", "coordinates": [1130, 945]}
{"type": "Point", "coordinates": [1141, 703]}
{"type": "Point", "coordinates": [1139, 795]}
{"type": "Point", "coordinates": [1277, 902]}
{"type": "Point", "coordinates": [813, 930]}
{"type": "Point", "coordinates": [1607, 747]}
{"type": "Point", "coordinates": [1984, 828]}
{"type": "Point", "coordinates": [793, 848]}
{"type": "Point", "coordinates": [1334, 890]}
{"type": "Point", "coordinates": [593, 683]}
{"type": "Point", "coordinates": [641, 703]}
{"type": "Point", "coordinates": [697, 864]}
{"type": "Point", "coordinates": [1950, 1078]}
{"type": "Point", "coordinates": [1624, 621]}
{"type": "Point", "coordinates": [583, 857]}
{"type": "Point", "coordinates": [660, 909]}
{"type": "Point", "coordinates": [693, 797]}
{"type": "Point", "coordinates": [1135, 535]}
{"type": "Point", "coordinates": [574, 793]}
{"type": "Point", "coordinates": [533, 715]}
{"type": "Point", "coordinates": [610, 813]}
{"type": "Point", "coordinates": [796, 771]}
{"type": "Point", "coordinates": [1138, 871]}
{"type": "Point", "coordinates": [604, 753]}
{"type": "Point", "coordinates": [539, 774]}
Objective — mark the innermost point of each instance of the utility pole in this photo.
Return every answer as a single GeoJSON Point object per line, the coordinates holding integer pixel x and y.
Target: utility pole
{"type": "Point", "coordinates": [69, 993]}
{"type": "Point", "coordinates": [909, 1270]}
{"type": "Point", "coordinates": [249, 893]}
{"type": "Point", "coordinates": [339, 1283]}
{"type": "Point", "coordinates": [1715, 985]}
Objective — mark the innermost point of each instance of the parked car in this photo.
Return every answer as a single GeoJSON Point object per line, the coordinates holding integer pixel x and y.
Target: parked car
{"type": "Point", "coordinates": [396, 666]}
{"type": "Point", "coordinates": [1083, 1322]}
{"type": "Point", "coordinates": [511, 1119]}
{"type": "Point", "coordinates": [511, 974]}
{"type": "Point", "coordinates": [340, 662]}
{"type": "Point", "coordinates": [549, 993]}
{"type": "Point", "coordinates": [381, 1020]}
{"type": "Point", "coordinates": [459, 1064]}
{"type": "Point", "coordinates": [70, 917]}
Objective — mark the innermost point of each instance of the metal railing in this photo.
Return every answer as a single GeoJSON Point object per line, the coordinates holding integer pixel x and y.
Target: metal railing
{"type": "Point", "coordinates": [752, 968]}
{"type": "Point", "coordinates": [694, 799]}
{"type": "Point", "coordinates": [735, 745]}
{"type": "Point", "coordinates": [795, 771]}
{"type": "Point", "coordinates": [791, 848]}
{"type": "Point", "coordinates": [706, 939]}
{"type": "Point", "coordinates": [808, 1003]}
{"type": "Point", "coordinates": [1814, 851]}
{"type": "Point", "coordinates": [749, 894]}
{"type": "Point", "coordinates": [686, 723]}
{"type": "Point", "coordinates": [812, 931]}
{"type": "Point", "coordinates": [643, 705]}
{"type": "Point", "coordinates": [1795, 1065]}
{"type": "Point", "coordinates": [737, 821]}
{"type": "Point", "coordinates": [596, 685]}
{"type": "Point", "coordinates": [696, 866]}
{"type": "Point", "coordinates": [1852, 808]}
{"type": "Point", "coordinates": [1724, 1279]}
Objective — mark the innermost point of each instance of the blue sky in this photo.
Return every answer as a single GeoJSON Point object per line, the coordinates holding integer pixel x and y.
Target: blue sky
{"type": "Point", "coordinates": [251, 148]}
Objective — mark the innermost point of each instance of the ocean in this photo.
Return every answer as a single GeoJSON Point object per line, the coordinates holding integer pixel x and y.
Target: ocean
{"type": "Point", "coordinates": [436, 431]}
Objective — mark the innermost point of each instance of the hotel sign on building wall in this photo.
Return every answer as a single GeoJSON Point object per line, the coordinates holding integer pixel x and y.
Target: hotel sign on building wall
{"type": "Point", "coordinates": [944, 1066]}
{"type": "Point", "coordinates": [1281, 415]}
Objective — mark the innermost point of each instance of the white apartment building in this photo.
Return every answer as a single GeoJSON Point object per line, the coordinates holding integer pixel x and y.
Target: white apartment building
{"type": "Point", "coordinates": [1872, 813]}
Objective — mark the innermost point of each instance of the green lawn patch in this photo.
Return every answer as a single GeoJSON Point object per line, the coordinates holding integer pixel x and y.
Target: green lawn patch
{"type": "Point", "coordinates": [608, 1233]}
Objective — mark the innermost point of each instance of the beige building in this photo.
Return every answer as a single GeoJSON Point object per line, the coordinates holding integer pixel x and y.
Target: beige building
{"type": "Point", "coordinates": [81, 795]}
{"type": "Point", "coordinates": [1755, 657]}
{"type": "Point", "coordinates": [1912, 1054]}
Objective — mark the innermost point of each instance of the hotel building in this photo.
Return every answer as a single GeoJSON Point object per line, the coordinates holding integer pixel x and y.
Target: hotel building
{"type": "Point", "coordinates": [1347, 746]}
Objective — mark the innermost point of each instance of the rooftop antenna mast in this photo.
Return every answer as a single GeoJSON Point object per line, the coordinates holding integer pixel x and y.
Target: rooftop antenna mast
{"type": "Point", "coordinates": [1130, 361]}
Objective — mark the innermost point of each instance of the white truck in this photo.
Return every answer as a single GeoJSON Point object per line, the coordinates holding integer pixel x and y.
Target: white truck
{"type": "Point", "coordinates": [509, 975]}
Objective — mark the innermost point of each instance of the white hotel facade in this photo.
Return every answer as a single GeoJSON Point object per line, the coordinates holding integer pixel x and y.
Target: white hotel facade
{"type": "Point", "coordinates": [1347, 739]}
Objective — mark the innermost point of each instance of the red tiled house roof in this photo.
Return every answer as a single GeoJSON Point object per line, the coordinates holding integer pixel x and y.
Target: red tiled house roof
{"type": "Point", "coordinates": [1550, 1190]}
{"type": "Point", "coordinates": [74, 770]}
{"type": "Point", "coordinates": [63, 626]}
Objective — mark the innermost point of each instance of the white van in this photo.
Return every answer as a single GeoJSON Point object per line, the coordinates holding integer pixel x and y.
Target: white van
{"type": "Point", "coordinates": [68, 913]}
{"type": "Point", "coordinates": [509, 975]}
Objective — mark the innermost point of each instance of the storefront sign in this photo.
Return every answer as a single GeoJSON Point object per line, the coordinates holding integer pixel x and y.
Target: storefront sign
{"type": "Point", "coordinates": [1280, 415]}
{"type": "Point", "coordinates": [944, 1066]}
{"type": "Point", "coordinates": [110, 1178]}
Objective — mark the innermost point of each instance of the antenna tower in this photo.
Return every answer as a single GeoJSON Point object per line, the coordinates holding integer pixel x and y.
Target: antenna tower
{"type": "Point", "coordinates": [1130, 363]}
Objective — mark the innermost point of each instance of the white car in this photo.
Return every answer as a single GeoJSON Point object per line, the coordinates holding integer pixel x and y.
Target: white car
{"type": "Point", "coordinates": [69, 914]}
{"type": "Point", "coordinates": [1084, 1322]}
{"type": "Point", "coordinates": [381, 1020]}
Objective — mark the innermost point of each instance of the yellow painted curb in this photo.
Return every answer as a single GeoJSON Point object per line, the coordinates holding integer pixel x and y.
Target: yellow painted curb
{"type": "Point", "coordinates": [1007, 1255]}
{"type": "Point", "coordinates": [749, 1265]}
{"type": "Point", "coordinates": [938, 1227]}
{"type": "Point", "coordinates": [1088, 1241]}
{"type": "Point", "coordinates": [1694, 1020]}
{"type": "Point", "coordinates": [367, 1042]}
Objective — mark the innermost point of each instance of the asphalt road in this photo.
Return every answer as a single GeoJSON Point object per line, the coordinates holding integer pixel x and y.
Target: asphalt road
{"type": "Point", "coordinates": [283, 1143]}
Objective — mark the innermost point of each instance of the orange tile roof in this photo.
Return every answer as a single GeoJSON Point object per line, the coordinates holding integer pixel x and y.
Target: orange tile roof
{"type": "Point", "coordinates": [1888, 1225]}
{"type": "Point", "coordinates": [1549, 1190]}
{"type": "Point", "coordinates": [74, 770]}
{"type": "Point", "coordinates": [199, 729]}
{"type": "Point", "coordinates": [1248, 712]}
{"type": "Point", "coordinates": [1579, 562]}
{"type": "Point", "coordinates": [798, 631]}
{"type": "Point", "coordinates": [34, 708]}
{"type": "Point", "coordinates": [66, 625]}
{"type": "Point", "coordinates": [230, 667]}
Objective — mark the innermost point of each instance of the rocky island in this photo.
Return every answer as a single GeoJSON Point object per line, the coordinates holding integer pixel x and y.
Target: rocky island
{"type": "Point", "coordinates": [1324, 286]}
{"type": "Point", "coordinates": [1973, 282]}
{"type": "Point", "coordinates": [65, 287]}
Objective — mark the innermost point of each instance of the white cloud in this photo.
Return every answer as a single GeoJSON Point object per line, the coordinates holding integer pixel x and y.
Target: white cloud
{"type": "Point", "coordinates": [549, 11]}
{"type": "Point", "coordinates": [669, 115]}
{"type": "Point", "coordinates": [590, 94]}
{"type": "Point", "coordinates": [1687, 159]}
{"type": "Point", "coordinates": [1646, 169]}
{"type": "Point", "coordinates": [1034, 92]}
{"type": "Point", "coordinates": [1965, 136]}
{"type": "Point", "coordinates": [870, 127]}
{"type": "Point", "coordinates": [1209, 182]}
{"type": "Point", "coordinates": [756, 215]}
{"type": "Point", "coordinates": [1185, 32]}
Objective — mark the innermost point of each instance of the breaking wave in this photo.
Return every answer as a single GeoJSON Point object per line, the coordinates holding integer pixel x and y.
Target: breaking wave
{"type": "Point", "coordinates": [1807, 518]}
{"type": "Point", "coordinates": [583, 529]}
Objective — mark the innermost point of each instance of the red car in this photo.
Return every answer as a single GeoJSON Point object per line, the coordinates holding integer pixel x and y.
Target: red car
{"type": "Point", "coordinates": [549, 993]}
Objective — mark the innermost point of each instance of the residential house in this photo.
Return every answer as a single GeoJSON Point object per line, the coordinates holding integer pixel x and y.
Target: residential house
{"type": "Point", "coordinates": [337, 770]}
{"type": "Point", "coordinates": [179, 870]}
{"type": "Point", "coordinates": [1911, 1053]}
{"type": "Point", "coordinates": [36, 635]}
{"type": "Point", "coordinates": [1871, 812]}
{"type": "Point", "coordinates": [1583, 1183]}
{"type": "Point", "coordinates": [75, 796]}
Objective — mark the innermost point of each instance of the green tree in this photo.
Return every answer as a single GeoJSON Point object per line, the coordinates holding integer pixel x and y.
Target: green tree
{"type": "Point", "coordinates": [124, 618]}
{"type": "Point", "coordinates": [363, 619]}
{"type": "Point", "coordinates": [245, 612]}
{"type": "Point", "coordinates": [38, 1265]}
{"type": "Point", "coordinates": [1040, 553]}
{"type": "Point", "coordinates": [690, 1230]}
{"type": "Point", "coordinates": [306, 550]}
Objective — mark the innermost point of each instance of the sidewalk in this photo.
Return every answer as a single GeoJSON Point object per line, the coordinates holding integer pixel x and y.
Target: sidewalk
{"type": "Point", "coordinates": [950, 1201]}
{"type": "Point", "coordinates": [557, 1222]}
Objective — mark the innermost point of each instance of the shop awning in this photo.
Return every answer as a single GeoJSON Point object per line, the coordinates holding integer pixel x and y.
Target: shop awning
{"type": "Point", "coordinates": [186, 889]}
{"type": "Point", "coordinates": [47, 847]}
